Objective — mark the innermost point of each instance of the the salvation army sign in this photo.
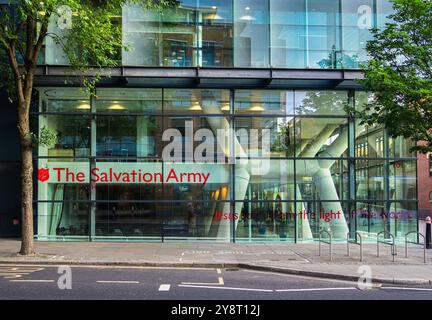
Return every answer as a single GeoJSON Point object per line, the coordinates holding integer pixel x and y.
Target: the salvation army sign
{"type": "Point", "coordinates": [133, 173]}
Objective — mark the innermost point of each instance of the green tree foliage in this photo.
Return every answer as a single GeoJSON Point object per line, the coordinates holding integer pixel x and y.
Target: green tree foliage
{"type": "Point", "coordinates": [91, 41]}
{"type": "Point", "coordinates": [400, 74]}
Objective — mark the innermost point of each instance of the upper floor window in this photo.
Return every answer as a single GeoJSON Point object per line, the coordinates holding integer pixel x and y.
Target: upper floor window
{"type": "Point", "coordinates": [317, 34]}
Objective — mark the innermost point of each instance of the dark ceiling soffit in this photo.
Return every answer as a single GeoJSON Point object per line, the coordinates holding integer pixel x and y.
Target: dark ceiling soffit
{"type": "Point", "coordinates": [208, 77]}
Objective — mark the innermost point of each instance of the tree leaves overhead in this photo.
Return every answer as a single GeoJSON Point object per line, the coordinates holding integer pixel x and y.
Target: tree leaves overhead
{"type": "Point", "coordinates": [400, 73]}
{"type": "Point", "coordinates": [86, 30]}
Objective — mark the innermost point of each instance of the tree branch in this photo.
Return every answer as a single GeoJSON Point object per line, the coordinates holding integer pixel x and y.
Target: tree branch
{"type": "Point", "coordinates": [10, 50]}
{"type": "Point", "coordinates": [30, 38]}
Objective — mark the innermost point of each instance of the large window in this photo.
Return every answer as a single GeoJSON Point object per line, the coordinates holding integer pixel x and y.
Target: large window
{"type": "Point", "coordinates": [317, 34]}
{"type": "Point", "coordinates": [191, 164]}
{"type": "Point", "coordinates": [357, 20]}
{"type": "Point", "coordinates": [251, 31]}
{"type": "Point", "coordinates": [167, 39]}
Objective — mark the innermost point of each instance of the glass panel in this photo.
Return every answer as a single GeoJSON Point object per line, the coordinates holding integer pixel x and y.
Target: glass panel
{"type": "Point", "coordinates": [63, 191]}
{"type": "Point", "coordinates": [160, 39]}
{"type": "Point", "coordinates": [217, 33]}
{"type": "Point", "coordinates": [371, 218]}
{"type": "Point", "coordinates": [196, 181]}
{"type": "Point", "coordinates": [134, 101]}
{"type": "Point", "coordinates": [357, 20]}
{"type": "Point", "coordinates": [266, 180]}
{"type": "Point", "coordinates": [73, 136]}
{"type": "Point", "coordinates": [251, 33]}
{"type": "Point", "coordinates": [370, 180]}
{"type": "Point", "coordinates": [313, 217]}
{"type": "Point", "coordinates": [322, 180]}
{"type": "Point", "coordinates": [363, 98]}
{"type": "Point", "coordinates": [369, 143]}
{"type": "Point", "coordinates": [274, 138]}
{"type": "Point", "coordinates": [128, 136]}
{"type": "Point", "coordinates": [400, 148]}
{"type": "Point", "coordinates": [197, 220]}
{"type": "Point", "coordinates": [323, 137]}
{"type": "Point", "coordinates": [264, 102]}
{"type": "Point", "coordinates": [288, 34]}
{"type": "Point", "coordinates": [190, 101]}
{"type": "Point", "coordinates": [305, 36]}
{"type": "Point", "coordinates": [323, 37]}
{"type": "Point", "coordinates": [265, 221]}
{"type": "Point", "coordinates": [128, 219]}
{"type": "Point", "coordinates": [127, 192]}
{"type": "Point", "coordinates": [403, 219]}
{"type": "Point", "coordinates": [199, 139]}
{"type": "Point", "coordinates": [63, 219]}
{"type": "Point", "coordinates": [66, 106]}
{"type": "Point", "coordinates": [54, 54]}
{"type": "Point", "coordinates": [64, 100]}
{"type": "Point", "coordinates": [320, 102]}
{"type": "Point", "coordinates": [403, 180]}
{"type": "Point", "coordinates": [384, 8]}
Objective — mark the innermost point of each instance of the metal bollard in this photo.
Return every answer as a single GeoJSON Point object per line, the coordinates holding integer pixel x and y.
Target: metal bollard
{"type": "Point", "coordinates": [428, 233]}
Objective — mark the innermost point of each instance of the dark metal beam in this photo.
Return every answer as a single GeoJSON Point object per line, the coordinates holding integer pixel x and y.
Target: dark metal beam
{"type": "Point", "coordinates": [206, 77]}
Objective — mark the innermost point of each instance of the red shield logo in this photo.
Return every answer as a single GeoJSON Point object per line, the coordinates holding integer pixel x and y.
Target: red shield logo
{"type": "Point", "coordinates": [43, 174]}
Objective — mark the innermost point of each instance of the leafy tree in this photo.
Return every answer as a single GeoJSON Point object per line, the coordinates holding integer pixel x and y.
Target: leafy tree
{"type": "Point", "coordinates": [399, 74]}
{"type": "Point", "coordinates": [90, 40]}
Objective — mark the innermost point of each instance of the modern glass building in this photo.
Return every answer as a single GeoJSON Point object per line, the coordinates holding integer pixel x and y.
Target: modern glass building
{"type": "Point", "coordinates": [225, 122]}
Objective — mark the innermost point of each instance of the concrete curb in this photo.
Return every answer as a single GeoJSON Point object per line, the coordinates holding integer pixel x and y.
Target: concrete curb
{"type": "Point", "coordinates": [121, 264]}
{"type": "Point", "coordinates": [247, 266]}
{"type": "Point", "coordinates": [327, 275]}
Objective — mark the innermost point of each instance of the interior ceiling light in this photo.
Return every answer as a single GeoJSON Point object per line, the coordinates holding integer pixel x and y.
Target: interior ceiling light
{"type": "Point", "coordinates": [116, 106]}
{"type": "Point", "coordinates": [85, 105]}
{"type": "Point", "coordinates": [225, 107]}
{"type": "Point", "coordinates": [257, 108]}
{"type": "Point", "coordinates": [247, 17]}
{"type": "Point", "coordinates": [195, 106]}
{"type": "Point", "coordinates": [214, 16]}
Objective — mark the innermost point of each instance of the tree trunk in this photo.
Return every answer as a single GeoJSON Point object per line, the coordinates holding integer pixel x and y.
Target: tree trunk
{"type": "Point", "coordinates": [27, 232]}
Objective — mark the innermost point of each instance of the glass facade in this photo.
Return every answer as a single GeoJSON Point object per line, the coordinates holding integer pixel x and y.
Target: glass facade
{"type": "Point", "coordinates": [315, 34]}
{"type": "Point", "coordinates": [218, 165]}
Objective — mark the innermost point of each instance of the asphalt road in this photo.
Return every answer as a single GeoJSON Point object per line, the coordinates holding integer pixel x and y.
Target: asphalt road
{"type": "Point", "coordinates": [42, 282]}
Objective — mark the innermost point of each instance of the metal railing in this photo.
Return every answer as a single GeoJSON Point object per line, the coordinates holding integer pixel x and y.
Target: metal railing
{"type": "Point", "coordinates": [327, 242]}
{"type": "Point", "coordinates": [424, 244]}
{"type": "Point", "coordinates": [355, 242]}
{"type": "Point", "coordinates": [392, 244]}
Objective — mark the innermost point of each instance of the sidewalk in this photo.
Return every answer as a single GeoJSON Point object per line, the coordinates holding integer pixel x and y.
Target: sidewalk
{"type": "Point", "coordinates": [301, 259]}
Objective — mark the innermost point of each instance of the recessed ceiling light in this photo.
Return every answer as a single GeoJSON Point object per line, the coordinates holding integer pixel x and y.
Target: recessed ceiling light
{"type": "Point", "coordinates": [214, 7]}
{"type": "Point", "coordinates": [195, 106]}
{"type": "Point", "coordinates": [214, 16]}
{"type": "Point", "coordinates": [247, 17]}
{"type": "Point", "coordinates": [225, 107]}
{"type": "Point", "coordinates": [84, 106]}
{"type": "Point", "coordinates": [116, 106]}
{"type": "Point", "coordinates": [257, 108]}
{"type": "Point", "coordinates": [247, 8]}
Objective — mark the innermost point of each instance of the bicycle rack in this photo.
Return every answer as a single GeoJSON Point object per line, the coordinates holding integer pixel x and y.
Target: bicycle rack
{"type": "Point", "coordinates": [355, 242]}
{"type": "Point", "coordinates": [424, 244]}
{"type": "Point", "coordinates": [327, 242]}
{"type": "Point", "coordinates": [392, 244]}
